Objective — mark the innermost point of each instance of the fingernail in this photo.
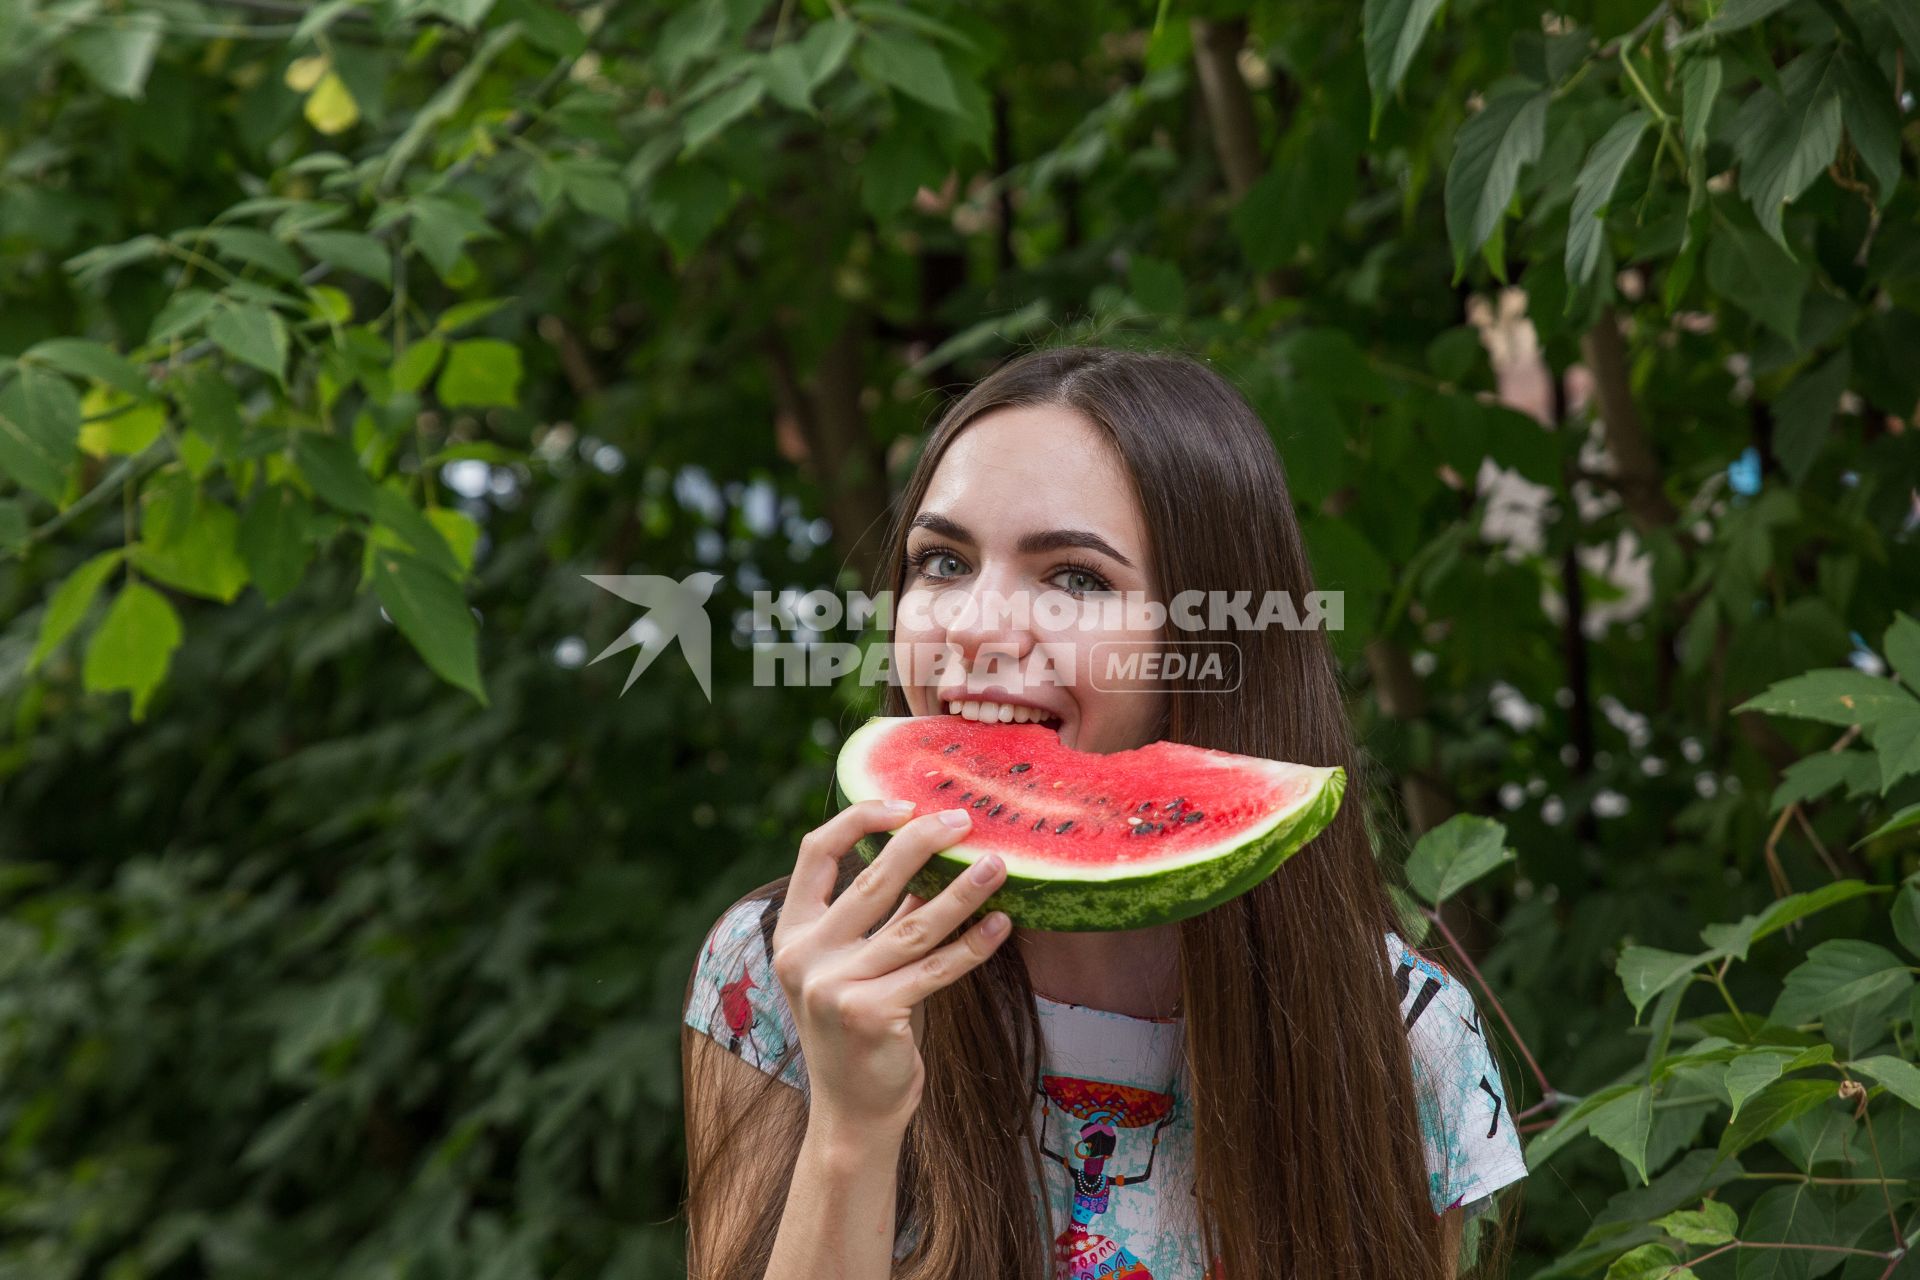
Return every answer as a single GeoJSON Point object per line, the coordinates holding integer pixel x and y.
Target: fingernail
{"type": "Point", "coordinates": [995, 924]}
{"type": "Point", "coordinates": [898, 806]}
{"type": "Point", "coordinates": [987, 868]}
{"type": "Point", "coordinates": [955, 817]}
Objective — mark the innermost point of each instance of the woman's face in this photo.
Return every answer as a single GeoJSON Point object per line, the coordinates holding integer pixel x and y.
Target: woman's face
{"type": "Point", "coordinates": [1029, 507]}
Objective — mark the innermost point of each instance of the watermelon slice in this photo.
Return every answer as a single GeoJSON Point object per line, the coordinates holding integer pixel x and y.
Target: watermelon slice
{"type": "Point", "coordinates": [1091, 840]}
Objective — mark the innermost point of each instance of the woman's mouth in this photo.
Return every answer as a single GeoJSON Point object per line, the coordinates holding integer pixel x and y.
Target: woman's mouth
{"type": "Point", "coordinates": [988, 712]}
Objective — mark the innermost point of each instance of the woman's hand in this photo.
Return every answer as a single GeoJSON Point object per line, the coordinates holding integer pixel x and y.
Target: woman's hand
{"type": "Point", "coordinates": [856, 999]}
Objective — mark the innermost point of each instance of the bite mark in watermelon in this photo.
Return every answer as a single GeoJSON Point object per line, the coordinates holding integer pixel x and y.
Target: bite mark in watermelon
{"type": "Point", "coordinates": [1091, 840]}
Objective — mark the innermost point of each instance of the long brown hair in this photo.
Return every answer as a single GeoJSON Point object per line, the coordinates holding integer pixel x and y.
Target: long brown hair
{"type": "Point", "coordinates": [1307, 1140]}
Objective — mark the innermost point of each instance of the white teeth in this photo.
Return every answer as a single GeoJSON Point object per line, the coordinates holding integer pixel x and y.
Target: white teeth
{"type": "Point", "coordinates": [996, 712]}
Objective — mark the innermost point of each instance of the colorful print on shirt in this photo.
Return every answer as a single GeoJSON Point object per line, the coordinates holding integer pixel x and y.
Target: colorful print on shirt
{"type": "Point", "coordinates": [1112, 1110]}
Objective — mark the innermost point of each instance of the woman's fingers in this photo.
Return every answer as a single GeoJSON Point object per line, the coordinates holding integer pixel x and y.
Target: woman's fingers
{"type": "Point", "coordinates": [864, 902]}
{"type": "Point", "coordinates": [915, 982]}
{"type": "Point", "coordinates": [907, 937]}
{"type": "Point", "coordinates": [810, 888]}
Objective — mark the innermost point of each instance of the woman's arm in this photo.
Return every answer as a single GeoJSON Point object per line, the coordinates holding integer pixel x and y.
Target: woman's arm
{"type": "Point", "coordinates": [839, 1214]}
{"type": "Point", "coordinates": [839, 1218]}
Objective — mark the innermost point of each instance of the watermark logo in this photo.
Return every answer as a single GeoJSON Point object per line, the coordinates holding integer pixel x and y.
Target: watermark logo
{"type": "Point", "coordinates": [675, 611]}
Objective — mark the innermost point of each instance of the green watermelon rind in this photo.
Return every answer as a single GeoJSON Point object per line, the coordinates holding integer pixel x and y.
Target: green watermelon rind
{"type": "Point", "coordinates": [1140, 899]}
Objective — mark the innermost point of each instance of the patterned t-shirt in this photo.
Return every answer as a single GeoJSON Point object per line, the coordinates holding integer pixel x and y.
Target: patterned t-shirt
{"type": "Point", "coordinates": [1111, 1103]}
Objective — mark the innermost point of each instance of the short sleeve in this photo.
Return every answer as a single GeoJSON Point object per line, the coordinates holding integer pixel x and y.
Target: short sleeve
{"type": "Point", "coordinates": [1466, 1127]}
{"type": "Point", "coordinates": [735, 999]}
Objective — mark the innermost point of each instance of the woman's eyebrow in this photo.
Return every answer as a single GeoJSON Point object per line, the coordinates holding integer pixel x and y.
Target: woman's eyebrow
{"type": "Point", "coordinates": [1055, 539]}
{"type": "Point", "coordinates": [1030, 543]}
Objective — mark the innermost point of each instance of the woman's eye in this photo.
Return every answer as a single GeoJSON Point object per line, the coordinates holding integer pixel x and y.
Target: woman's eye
{"type": "Point", "coordinates": [927, 561]}
{"type": "Point", "coordinates": [1080, 582]}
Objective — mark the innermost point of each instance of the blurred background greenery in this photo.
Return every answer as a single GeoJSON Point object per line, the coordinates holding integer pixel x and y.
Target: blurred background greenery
{"type": "Point", "coordinates": [347, 905]}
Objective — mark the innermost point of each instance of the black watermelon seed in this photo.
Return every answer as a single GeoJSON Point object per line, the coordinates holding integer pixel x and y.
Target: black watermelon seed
{"type": "Point", "coordinates": [1039, 823]}
{"type": "Point", "coordinates": [1020, 768]}
{"type": "Point", "coordinates": [1144, 806]}
{"type": "Point", "coordinates": [1175, 803]}
{"type": "Point", "coordinates": [982, 800]}
{"type": "Point", "coordinates": [995, 811]}
{"type": "Point", "coordinates": [1193, 815]}
{"type": "Point", "coordinates": [966, 795]}
{"type": "Point", "coordinates": [943, 786]}
{"type": "Point", "coordinates": [1062, 828]}
{"type": "Point", "coordinates": [950, 748]}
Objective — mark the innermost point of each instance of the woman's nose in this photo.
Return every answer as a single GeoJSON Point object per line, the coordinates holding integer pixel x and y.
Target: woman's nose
{"type": "Point", "coordinates": [991, 620]}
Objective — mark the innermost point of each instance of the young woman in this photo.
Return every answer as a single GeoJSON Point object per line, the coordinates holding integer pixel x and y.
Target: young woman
{"type": "Point", "coordinates": [880, 1085]}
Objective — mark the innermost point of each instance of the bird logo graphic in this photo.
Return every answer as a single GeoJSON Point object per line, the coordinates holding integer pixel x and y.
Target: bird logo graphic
{"type": "Point", "coordinates": [675, 611]}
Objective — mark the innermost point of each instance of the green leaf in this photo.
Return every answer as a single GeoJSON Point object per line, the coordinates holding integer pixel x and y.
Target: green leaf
{"type": "Point", "coordinates": [1777, 1105]}
{"type": "Point", "coordinates": [1489, 151]}
{"type": "Point", "coordinates": [463, 314]}
{"type": "Point", "coordinates": [253, 335]}
{"type": "Point", "coordinates": [1872, 119]}
{"type": "Point", "coordinates": [1624, 1125]}
{"type": "Point", "coordinates": [1901, 1077]}
{"type": "Point", "coordinates": [1813, 776]}
{"type": "Point", "coordinates": [1392, 31]}
{"type": "Point", "coordinates": [352, 251]}
{"type": "Point", "coordinates": [1907, 817]}
{"type": "Point", "coordinates": [133, 646]}
{"type": "Point", "coordinates": [1896, 739]}
{"type": "Point", "coordinates": [480, 372]}
{"type": "Point", "coordinates": [86, 359]}
{"type": "Point", "coordinates": [786, 76]}
{"type": "Point", "coordinates": [1733, 16]}
{"type": "Point", "coordinates": [254, 247]}
{"type": "Point", "coordinates": [1650, 1262]}
{"type": "Point", "coordinates": [1804, 412]}
{"type": "Point", "coordinates": [1906, 915]}
{"type": "Point", "coordinates": [335, 474]}
{"type": "Point", "coordinates": [70, 602]}
{"type": "Point", "coordinates": [1902, 644]}
{"type": "Point", "coordinates": [115, 423]}
{"type": "Point", "coordinates": [909, 65]}
{"type": "Point", "coordinates": [116, 51]}
{"type": "Point", "coordinates": [1700, 82]}
{"type": "Point", "coordinates": [1786, 140]}
{"type": "Point", "coordinates": [1593, 193]}
{"type": "Point", "coordinates": [39, 430]}
{"type": "Point", "coordinates": [1838, 973]}
{"type": "Point", "coordinates": [826, 45]}
{"type": "Point", "coordinates": [392, 511]}
{"type": "Point", "coordinates": [1759, 277]}
{"type": "Point", "coordinates": [1647, 971]}
{"type": "Point", "coordinates": [431, 612]}
{"type": "Point", "coordinates": [204, 559]}
{"type": "Point", "coordinates": [13, 525]}
{"type": "Point", "coordinates": [208, 403]}
{"type": "Point", "coordinates": [460, 533]}
{"type": "Point", "coordinates": [1794, 1214]}
{"type": "Point", "coordinates": [595, 187]}
{"type": "Point", "coordinates": [1735, 939]}
{"type": "Point", "coordinates": [1906, 20]}
{"type": "Point", "coordinates": [1714, 1222]}
{"type": "Point", "coordinates": [1833, 695]}
{"type": "Point", "coordinates": [686, 202]}
{"type": "Point", "coordinates": [1454, 854]}
{"type": "Point", "coordinates": [273, 540]}
{"type": "Point", "coordinates": [717, 112]}
{"type": "Point", "coordinates": [411, 370]}
{"type": "Point", "coordinates": [1572, 1124]}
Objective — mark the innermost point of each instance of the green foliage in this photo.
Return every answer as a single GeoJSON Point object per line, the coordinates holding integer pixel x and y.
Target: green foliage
{"type": "Point", "coordinates": [339, 342]}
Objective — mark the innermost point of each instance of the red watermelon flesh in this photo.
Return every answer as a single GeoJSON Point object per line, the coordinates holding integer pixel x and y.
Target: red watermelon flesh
{"type": "Point", "coordinates": [1093, 840]}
